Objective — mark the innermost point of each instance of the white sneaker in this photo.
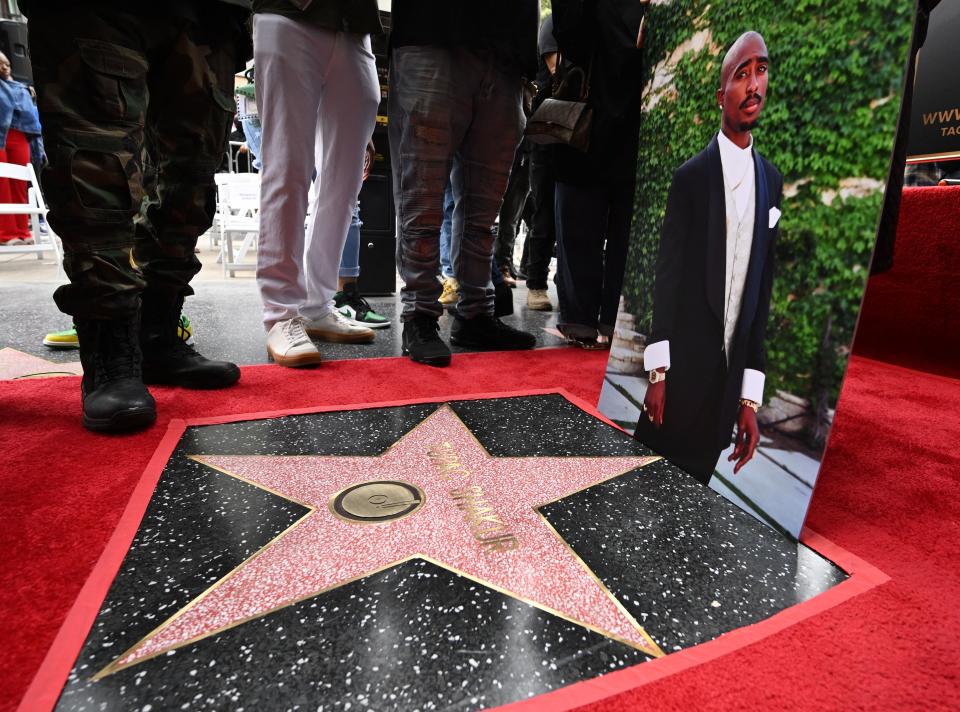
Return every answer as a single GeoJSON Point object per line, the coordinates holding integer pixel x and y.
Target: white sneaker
{"type": "Point", "coordinates": [289, 345]}
{"type": "Point", "coordinates": [335, 327]}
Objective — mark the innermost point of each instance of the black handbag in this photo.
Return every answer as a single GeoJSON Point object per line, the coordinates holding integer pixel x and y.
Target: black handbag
{"type": "Point", "coordinates": [562, 120]}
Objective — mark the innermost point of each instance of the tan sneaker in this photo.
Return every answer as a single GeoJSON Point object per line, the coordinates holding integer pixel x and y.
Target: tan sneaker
{"type": "Point", "coordinates": [336, 328]}
{"type": "Point", "coordinates": [450, 295]}
{"type": "Point", "coordinates": [289, 345]}
{"type": "Point", "coordinates": [537, 300]}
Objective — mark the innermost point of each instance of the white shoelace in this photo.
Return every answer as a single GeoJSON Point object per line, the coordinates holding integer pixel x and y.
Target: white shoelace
{"type": "Point", "coordinates": [341, 319]}
{"type": "Point", "coordinates": [294, 332]}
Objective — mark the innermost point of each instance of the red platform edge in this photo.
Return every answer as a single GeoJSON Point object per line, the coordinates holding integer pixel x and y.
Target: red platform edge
{"type": "Point", "coordinates": [47, 684]}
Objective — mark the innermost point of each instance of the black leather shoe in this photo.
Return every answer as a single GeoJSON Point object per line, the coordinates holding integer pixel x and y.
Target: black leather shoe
{"type": "Point", "coordinates": [114, 397]}
{"type": "Point", "coordinates": [168, 360]}
{"type": "Point", "coordinates": [487, 332]}
{"type": "Point", "coordinates": [422, 342]}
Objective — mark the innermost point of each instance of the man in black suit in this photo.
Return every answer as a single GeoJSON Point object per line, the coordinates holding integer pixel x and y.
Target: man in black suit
{"type": "Point", "coordinates": [714, 277]}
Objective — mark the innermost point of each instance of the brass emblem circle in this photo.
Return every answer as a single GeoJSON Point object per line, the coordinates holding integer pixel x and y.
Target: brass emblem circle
{"type": "Point", "coordinates": [377, 501]}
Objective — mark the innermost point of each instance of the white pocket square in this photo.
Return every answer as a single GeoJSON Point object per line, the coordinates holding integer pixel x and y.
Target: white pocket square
{"type": "Point", "coordinates": [774, 216]}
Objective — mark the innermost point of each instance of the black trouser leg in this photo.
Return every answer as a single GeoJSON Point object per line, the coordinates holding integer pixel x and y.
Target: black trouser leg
{"type": "Point", "coordinates": [542, 236]}
{"type": "Point", "coordinates": [511, 211]}
{"type": "Point", "coordinates": [615, 253]}
{"type": "Point", "coordinates": [581, 216]}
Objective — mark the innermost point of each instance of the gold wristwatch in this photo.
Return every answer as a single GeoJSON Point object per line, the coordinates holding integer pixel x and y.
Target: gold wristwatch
{"type": "Point", "coordinates": [752, 405]}
{"type": "Point", "coordinates": [656, 375]}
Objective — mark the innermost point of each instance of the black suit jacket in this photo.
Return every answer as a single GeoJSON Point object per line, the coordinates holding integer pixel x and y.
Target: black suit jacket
{"type": "Point", "coordinates": [702, 390]}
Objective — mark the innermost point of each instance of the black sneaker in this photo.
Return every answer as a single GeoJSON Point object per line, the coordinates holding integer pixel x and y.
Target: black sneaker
{"type": "Point", "coordinates": [422, 342]}
{"type": "Point", "coordinates": [170, 360]}
{"type": "Point", "coordinates": [114, 397]}
{"type": "Point", "coordinates": [487, 332]}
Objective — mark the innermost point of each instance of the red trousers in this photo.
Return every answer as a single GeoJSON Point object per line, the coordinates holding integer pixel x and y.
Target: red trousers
{"type": "Point", "coordinates": [14, 191]}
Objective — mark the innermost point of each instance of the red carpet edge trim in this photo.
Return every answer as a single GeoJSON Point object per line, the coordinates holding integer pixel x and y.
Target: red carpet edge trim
{"type": "Point", "coordinates": [47, 684]}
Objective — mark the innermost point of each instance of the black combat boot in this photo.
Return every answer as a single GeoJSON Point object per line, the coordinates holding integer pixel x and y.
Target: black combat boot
{"type": "Point", "coordinates": [169, 360]}
{"type": "Point", "coordinates": [114, 397]}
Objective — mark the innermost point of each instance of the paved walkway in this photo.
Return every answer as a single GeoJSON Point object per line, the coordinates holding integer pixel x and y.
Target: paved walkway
{"type": "Point", "coordinates": [225, 313]}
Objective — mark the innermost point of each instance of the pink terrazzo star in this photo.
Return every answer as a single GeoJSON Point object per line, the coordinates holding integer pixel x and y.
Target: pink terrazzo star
{"type": "Point", "coordinates": [470, 496]}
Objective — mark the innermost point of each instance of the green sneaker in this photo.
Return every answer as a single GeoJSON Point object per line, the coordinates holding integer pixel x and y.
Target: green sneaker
{"type": "Point", "coordinates": [357, 309]}
{"type": "Point", "coordinates": [65, 340]}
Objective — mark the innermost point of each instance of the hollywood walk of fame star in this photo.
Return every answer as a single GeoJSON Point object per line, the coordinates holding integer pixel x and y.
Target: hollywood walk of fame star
{"type": "Point", "coordinates": [478, 517]}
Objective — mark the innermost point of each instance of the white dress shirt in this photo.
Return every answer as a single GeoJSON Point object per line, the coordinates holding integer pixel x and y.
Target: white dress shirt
{"type": "Point", "coordinates": [740, 199]}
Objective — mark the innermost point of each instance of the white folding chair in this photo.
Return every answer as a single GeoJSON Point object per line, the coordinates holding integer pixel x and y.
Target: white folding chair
{"type": "Point", "coordinates": [233, 153]}
{"type": "Point", "coordinates": [35, 208]}
{"type": "Point", "coordinates": [238, 214]}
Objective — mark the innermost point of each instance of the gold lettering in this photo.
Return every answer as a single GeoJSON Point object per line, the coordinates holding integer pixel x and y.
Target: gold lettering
{"type": "Point", "coordinates": [941, 117]}
{"type": "Point", "coordinates": [502, 544]}
{"type": "Point", "coordinates": [447, 461]}
{"type": "Point", "coordinates": [481, 517]}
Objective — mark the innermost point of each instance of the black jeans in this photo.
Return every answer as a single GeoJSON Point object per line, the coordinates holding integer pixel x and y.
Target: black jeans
{"type": "Point", "coordinates": [511, 212]}
{"type": "Point", "coordinates": [593, 232]}
{"type": "Point", "coordinates": [543, 232]}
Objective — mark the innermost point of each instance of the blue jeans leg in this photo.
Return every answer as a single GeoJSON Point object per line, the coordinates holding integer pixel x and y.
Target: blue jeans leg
{"type": "Point", "coordinates": [253, 133]}
{"type": "Point", "coordinates": [350, 257]}
{"type": "Point", "coordinates": [446, 234]}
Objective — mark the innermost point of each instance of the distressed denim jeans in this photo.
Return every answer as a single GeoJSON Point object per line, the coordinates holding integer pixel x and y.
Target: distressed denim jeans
{"type": "Point", "coordinates": [453, 116]}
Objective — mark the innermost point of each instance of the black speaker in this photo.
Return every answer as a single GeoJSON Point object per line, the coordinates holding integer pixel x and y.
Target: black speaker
{"type": "Point", "coordinates": [13, 43]}
{"type": "Point", "coordinates": [378, 265]}
{"type": "Point", "coordinates": [378, 246]}
{"type": "Point", "coordinates": [376, 204]}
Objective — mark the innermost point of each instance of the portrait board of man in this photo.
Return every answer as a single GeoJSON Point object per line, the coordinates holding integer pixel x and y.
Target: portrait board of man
{"type": "Point", "coordinates": [764, 151]}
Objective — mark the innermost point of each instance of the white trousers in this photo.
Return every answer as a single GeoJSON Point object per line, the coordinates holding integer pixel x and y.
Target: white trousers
{"type": "Point", "coordinates": [315, 89]}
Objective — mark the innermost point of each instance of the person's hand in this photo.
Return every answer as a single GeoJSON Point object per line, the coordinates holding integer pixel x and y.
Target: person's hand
{"type": "Point", "coordinates": [654, 402]}
{"type": "Point", "coordinates": [642, 32]}
{"type": "Point", "coordinates": [368, 159]}
{"type": "Point", "coordinates": [748, 436]}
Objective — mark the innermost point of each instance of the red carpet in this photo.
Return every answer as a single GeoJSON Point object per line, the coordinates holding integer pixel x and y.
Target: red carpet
{"type": "Point", "coordinates": [889, 493]}
{"type": "Point", "coordinates": [911, 315]}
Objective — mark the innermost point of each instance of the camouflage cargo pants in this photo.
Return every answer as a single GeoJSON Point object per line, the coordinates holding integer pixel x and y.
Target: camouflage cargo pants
{"type": "Point", "coordinates": [136, 112]}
